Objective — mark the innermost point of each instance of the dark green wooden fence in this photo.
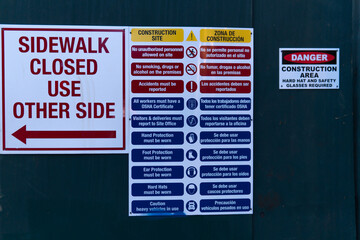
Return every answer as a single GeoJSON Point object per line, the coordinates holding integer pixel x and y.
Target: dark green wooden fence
{"type": "Point", "coordinates": [305, 141]}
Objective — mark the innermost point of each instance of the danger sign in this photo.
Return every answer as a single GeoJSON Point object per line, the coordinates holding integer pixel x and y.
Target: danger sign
{"type": "Point", "coordinates": [309, 68]}
{"type": "Point", "coordinates": [63, 89]}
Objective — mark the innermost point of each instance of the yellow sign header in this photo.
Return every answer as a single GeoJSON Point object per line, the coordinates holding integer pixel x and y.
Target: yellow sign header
{"type": "Point", "coordinates": [157, 35]}
{"type": "Point", "coordinates": [225, 35]}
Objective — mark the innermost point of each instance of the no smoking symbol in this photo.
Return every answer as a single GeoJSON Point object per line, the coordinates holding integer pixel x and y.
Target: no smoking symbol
{"type": "Point", "coordinates": [191, 69]}
{"type": "Point", "coordinates": [191, 52]}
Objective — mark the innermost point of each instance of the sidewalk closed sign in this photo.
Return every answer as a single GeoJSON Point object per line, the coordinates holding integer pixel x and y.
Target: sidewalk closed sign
{"type": "Point", "coordinates": [178, 100]}
{"type": "Point", "coordinates": [63, 89]}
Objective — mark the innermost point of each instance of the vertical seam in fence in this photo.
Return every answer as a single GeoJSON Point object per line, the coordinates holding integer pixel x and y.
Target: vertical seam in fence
{"type": "Point", "coordinates": [355, 64]}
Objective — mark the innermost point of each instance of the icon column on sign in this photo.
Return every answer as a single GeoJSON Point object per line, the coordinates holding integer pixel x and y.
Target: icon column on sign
{"type": "Point", "coordinates": [191, 206]}
{"type": "Point", "coordinates": [191, 137]}
{"type": "Point", "coordinates": [191, 155]}
{"type": "Point", "coordinates": [191, 189]}
{"type": "Point", "coordinates": [191, 172]}
{"type": "Point", "coordinates": [192, 121]}
{"type": "Point", "coordinates": [191, 103]}
{"type": "Point", "coordinates": [191, 52]}
{"type": "Point", "coordinates": [191, 86]}
{"type": "Point", "coordinates": [191, 37]}
{"type": "Point", "coordinates": [191, 69]}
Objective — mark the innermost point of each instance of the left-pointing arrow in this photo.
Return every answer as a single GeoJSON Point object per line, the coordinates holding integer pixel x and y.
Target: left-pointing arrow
{"type": "Point", "coordinates": [22, 134]}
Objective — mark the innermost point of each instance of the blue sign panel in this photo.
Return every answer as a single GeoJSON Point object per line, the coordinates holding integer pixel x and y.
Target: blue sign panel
{"type": "Point", "coordinates": [225, 205]}
{"type": "Point", "coordinates": [225, 154]}
{"type": "Point", "coordinates": [157, 104]}
{"type": "Point", "coordinates": [157, 172]}
{"type": "Point", "coordinates": [157, 206]}
{"type": "Point", "coordinates": [225, 137]}
{"type": "Point", "coordinates": [192, 121]}
{"type": "Point", "coordinates": [225, 104]}
{"type": "Point", "coordinates": [157, 121]}
{"type": "Point", "coordinates": [157, 155]}
{"type": "Point", "coordinates": [157, 189]}
{"type": "Point", "coordinates": [157, 138]}
{"type": "Point", "coordinates": [225, 171]}
{"type": "Point", "coordinates": [191, 137]}
{"type": "Point", "coordinates": [191, 103]}
{"type": "Point", "coordinates": [225, 121]}
{"type": "Point", "coordinates": [224, 188]}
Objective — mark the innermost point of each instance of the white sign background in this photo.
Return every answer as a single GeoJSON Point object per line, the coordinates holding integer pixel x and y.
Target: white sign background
{"type": "Point", "coordinates": [327, 74]}
{"type": "Point", "coordinates": [107, 85]}
{"type": "Point", "coordinates": [197, 180]}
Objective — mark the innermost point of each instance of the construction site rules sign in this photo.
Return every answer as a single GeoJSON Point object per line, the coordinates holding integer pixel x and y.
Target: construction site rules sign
{"type": "Point", "coordinates": [63, 89]}
{"type": "Point", "coordinates": [301, 68]}
{"type": "Point", "coordinates": [191, 131]}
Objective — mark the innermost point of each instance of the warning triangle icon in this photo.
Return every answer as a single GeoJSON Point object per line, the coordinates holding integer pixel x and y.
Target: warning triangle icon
{"type": "Point", "coordinates": [191, 37]}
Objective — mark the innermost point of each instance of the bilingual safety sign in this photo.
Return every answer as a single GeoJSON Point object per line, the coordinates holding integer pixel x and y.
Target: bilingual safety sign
{"type": "Point", "coordinates": [63, 89]}
{"type": "Point", "coordinates": [191, 132]}
{"type": "Point", "coordinates": [309, 68]}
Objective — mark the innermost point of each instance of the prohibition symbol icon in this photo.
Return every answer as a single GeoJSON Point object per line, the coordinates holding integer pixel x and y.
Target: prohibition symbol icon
{"type": "Point", "coordinates": [191, 69]}
{"type": "Point", "coordinates": [191, 52]}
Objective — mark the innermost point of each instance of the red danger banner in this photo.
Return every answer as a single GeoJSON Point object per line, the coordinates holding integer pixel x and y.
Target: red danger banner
{"type": "Point", "coordinates": [307, 57]}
